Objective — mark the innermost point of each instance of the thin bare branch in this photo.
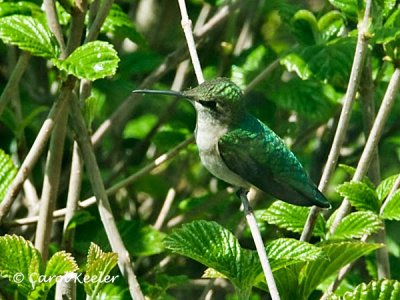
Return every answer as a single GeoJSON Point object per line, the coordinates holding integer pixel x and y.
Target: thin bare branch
{"type": "Point", "coordinates": [60, 213]}
{"type": "Point", "coordinates": [37, 148]}
{"type": "Point", "coordinates": [255, 232]}
{"type": "Point", "coordinates": [355, 76]}
{"type": "Point", "coordinates": [50, 185]}
{"type": "Point", "coordinates": [117, 245]}
{"type": "Point", "coordinates": [372, 142]}
{"type": "Point", "coordinates": [14, 79]}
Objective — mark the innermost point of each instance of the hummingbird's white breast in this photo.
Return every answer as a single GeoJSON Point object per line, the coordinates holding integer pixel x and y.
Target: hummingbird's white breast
{"type": "Point", "coordinates": [208, 132]}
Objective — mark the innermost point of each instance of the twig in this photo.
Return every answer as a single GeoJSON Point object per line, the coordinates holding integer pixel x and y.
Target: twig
{"type": "Point", "coordinates": [262, 76]}
{"type": "Point", "coordinates": [367, 91]}
{"type": "Point", "coordinates": [255, 232]}
{"type": "Point", "coordinates": [50, 185]}
{"type": "Point", "coordinates": [169, 199]}
{"type": "Point", "coordinates": [117, 245]}
{"type": "Point", "coordinates": [355, 75]}
{"type": "Point", "coordinates": [74, 188]}
{"type": "Point", "coordinates": [14, 79]}
{"type": "Point", "coordinates": [112, 190]}
{"type": "Point", "coordinates": [54, 24]}
{"type": "Point", "coordinates": [187, 29]}
{"type": "Point", "coordinates": [372, 142]}
{"type": "Point", "coordinates": [101, 15]}
{"type": "Point", "coordinates": [37, 148]}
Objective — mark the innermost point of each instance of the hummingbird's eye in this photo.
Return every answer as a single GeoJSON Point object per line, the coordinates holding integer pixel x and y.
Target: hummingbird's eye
{"type": "Point", "coordinates": [209, 104]}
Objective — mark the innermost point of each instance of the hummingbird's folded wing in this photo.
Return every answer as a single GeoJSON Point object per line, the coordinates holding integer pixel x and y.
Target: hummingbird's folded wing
{"type": "Point", "coordinates": [261, 158]}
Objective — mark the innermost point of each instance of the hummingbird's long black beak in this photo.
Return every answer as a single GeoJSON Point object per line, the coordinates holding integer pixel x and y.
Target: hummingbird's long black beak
{"type": "Point", "coordinates": [169, 93]}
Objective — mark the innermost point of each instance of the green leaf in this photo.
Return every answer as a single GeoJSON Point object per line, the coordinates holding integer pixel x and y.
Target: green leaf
{"type": "Point", "coordinates": [7, 173]}
{"type": "Point", "coordinates": [91, 61]}
{"type": "Point", "coordinates": [79, 218]}
{"type": "Point", "coordinates": [216, 247]}
{"type": "Point", "coordinates": [304, 27]}
{"type": "Point", "coordinates": [360, 195]}
{"type": "Point", "coordinates": [58, 265]}
{"type": "Point", "coordinates": [383, 290]}
{"type": "Point", "coordinates": [329, 62]}
{"type": "Point", "coordinates": [19, 260]}
{"type": "Point", "coordinates": [311, 99]}
{"type": "Point", "coordinates": [28, 34]}
{"type": "Point", "coordinates": [19, 8]}
{"type": "Point", "coordinates": [99, 265]}
{"type": "Point", "coordinates": [351, 171]}
{"type": "Point", "coordinates": [331, 25]}
{"type": "Point", "coordinates": [348, 7]}
{"type": "Point", "coordinates": [392, 209]}
{"type": "Point", "coordinates": [120, 24]}
{"type": "Point", "coordinates": [291, 217]}
{"type": "Point", "coordinates": [386, 186]}
{"type": "Point", "coordinates": [141, 240]}
{"type": "Point", "coordinates": [337, 255]}
{"type": "Point", "coordinates": [284, 252]}
{"type": "Point", "coordinates": [139, 127]}
{"type": "Point", "coordinates": [357, 224]}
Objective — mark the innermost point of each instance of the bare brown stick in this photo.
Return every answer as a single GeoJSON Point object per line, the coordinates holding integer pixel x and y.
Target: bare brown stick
{"type": "Point", "coordinates": [14, 79]}
{"type": "Point", "coordinates": [101, 15]}
{"type": "Point", "coordinates": [112, 190]}
{"type": "Point", "coordinates": [37, 148]}
{"type": "Point", "coordinates": [355, 76]}
{"type": "Point", "coordinates": [74, 188]}
{"type": "Point", "coordinates": [372, 142]}
{"type": "Point", "coordinates": [50, 185]}
{"type": "Point", "coordinates": [107, 218]}
{"type": "Point", "coordinates": [54, 24]}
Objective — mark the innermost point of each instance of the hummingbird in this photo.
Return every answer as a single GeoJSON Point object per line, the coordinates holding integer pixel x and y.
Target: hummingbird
{"type": "Point", "coordinates": [239, 149]}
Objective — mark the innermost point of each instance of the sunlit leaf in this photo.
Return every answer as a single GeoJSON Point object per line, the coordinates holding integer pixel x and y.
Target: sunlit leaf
{"type": "Point", "coordinates": [216, 247]}
{"type": "Point", "coordinates": [392, 209]}
{"type": "Point", "coordinates": [331, 25]}
{"type": "Point", "coordinates": [7, 173]}
{"type": "Point", "coordinates": [291, 217]}
{"type": "Point", "coordinates": [91, 61]}
{"type": "Point", "coordinates": [337, 255]}
{"type": "Point", "coordinates": [99, 265]}
{"type": "Point", "coordinates": [357, 224]}
{"type": "Point", "coordinates": [360, 195]}
{"type": "Point", "coordinates": [28, 34]}
{"type": "Point", "coordinates": [383, 290]}
{"type": "Point", "coordinates": [386, 186]}
{"type": "Point", "coordinates": [19, 261]}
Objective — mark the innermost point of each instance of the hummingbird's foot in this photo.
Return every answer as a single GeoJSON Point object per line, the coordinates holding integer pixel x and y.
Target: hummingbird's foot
{"type": "Point", "coordinates": [242, 194]}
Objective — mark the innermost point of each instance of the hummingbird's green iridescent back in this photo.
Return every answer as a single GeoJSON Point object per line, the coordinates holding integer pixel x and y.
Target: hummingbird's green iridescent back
{"type": "Point", "coordinates": [258, 155]}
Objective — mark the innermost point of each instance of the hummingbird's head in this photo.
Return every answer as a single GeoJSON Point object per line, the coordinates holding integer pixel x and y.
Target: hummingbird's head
{"type": "Point", "coordinates": [219, 97]}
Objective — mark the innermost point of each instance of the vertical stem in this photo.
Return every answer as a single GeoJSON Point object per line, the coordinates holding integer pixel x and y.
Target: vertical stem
{"type": "Point", "coordinates": [14, 79]}
{"type": "Point", "coordinates": [372, 141]}
{"type": "Point", "coordinates": [74, 189]}
{"type": "Point", "coordinates": [117, 245]}
{"type": "Point", "coordinates": [187, 29]}
{"type": "Point", "coordinates": [355, 75]}
{"type": "Point", "coordinates": [54, 24]}
{"type": "Point", "coordinates": [50, 185]}
{"type": "Point", "coordinates": [255, 232]}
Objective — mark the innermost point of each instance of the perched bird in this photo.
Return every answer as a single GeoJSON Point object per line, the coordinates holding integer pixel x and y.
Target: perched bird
{"type": "Point", "coordinates": [241, 150]}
